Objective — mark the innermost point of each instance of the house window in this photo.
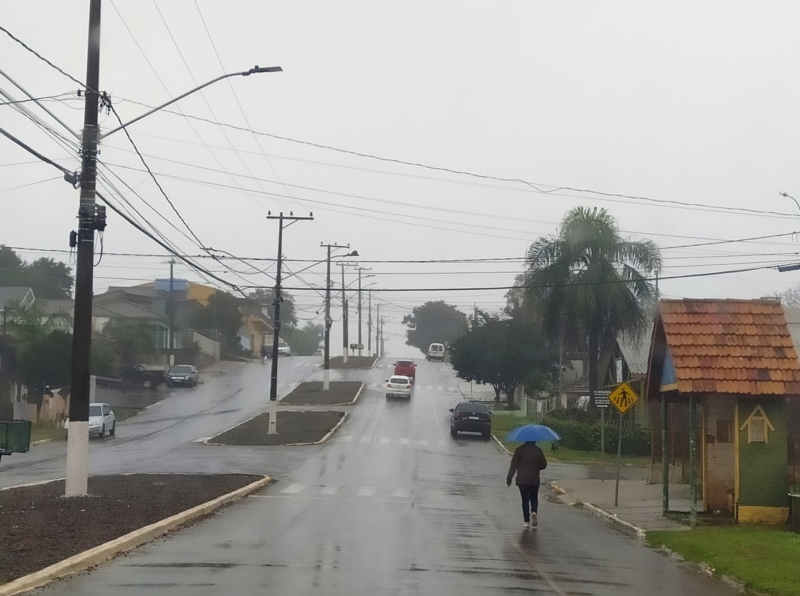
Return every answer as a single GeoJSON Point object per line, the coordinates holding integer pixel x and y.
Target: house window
{"type": "Point", "coordinates": [724, 431]}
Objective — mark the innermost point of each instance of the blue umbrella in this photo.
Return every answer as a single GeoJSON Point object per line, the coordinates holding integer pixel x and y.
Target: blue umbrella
{"type": "Point", "coordinates": [532, 432]}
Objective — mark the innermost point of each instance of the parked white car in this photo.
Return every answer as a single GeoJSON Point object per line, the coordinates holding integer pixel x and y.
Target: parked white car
{"type": "Point", "coordinates": [398, 386]}
{"type": "Point", "coordinates": [101, 420]}
{"type": "Point", "coordinates": [284, 349]}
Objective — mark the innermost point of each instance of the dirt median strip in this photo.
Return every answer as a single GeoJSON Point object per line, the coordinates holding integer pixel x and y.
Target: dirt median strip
{"type": "Point", "coordinates": [341, 393]}
{"type": "Point", "coordinates": [103, 552]}
{"type": "Point", "coordinates": [294, 428]}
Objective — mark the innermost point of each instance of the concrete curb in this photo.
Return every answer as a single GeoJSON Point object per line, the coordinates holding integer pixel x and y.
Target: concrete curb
{"type": "Point", "coordinates": [705, 568]}
{"type": "Point", "coordinates": [358, 394]}
{"type": "Point", "coordinates": [34, 483]}
{"type": "Point", "coordinates": [500, 444]}
{"type": "Point", "coordinates": [99, 554]}
{"type": "Point", "coordinates": [40, 442]}
{"type": "Point", "coordinates": [611, 519]}
{"type": "Point", "coordinates": [326, 437]}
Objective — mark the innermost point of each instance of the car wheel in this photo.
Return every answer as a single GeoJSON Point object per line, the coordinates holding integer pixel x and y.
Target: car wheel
{"type": "Point", "coordinates": [113, 430]}
{"type": "Point", "coordinates": [147, 384]}
{"type": "Point", "coordinates": [103, 431]}
{"type": "Point", "coordinates": [453, 432]}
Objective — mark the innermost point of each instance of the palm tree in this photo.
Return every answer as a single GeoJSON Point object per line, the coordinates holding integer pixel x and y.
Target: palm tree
{"type": "Point", "coordinates": [588, 282]}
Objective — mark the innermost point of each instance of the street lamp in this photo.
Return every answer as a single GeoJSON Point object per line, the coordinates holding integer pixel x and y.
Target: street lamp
{"type": "Point", "coordinates": [360, 269]}
{"type": "Point", "coordinates": [92, 218]}
{"type": "Point", "coordinates": [326, 382]}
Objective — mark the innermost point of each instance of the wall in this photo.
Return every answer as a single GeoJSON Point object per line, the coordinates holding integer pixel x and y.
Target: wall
{"type": "Point", "coordinates": [720, 460]}
{"type": "Point", "coordinates": [763, 483]}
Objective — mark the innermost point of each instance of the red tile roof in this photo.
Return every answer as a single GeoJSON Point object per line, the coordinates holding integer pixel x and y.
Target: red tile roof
{"type": "Point", "coordinates": [730, 346]}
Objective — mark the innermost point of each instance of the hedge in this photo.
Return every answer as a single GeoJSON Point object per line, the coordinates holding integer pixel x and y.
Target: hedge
{"type": "Point", "coordinates": [585, 436]}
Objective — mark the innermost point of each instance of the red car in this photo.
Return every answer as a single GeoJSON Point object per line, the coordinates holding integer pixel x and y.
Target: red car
{"type": "Point", "coordinates": [406, 368]}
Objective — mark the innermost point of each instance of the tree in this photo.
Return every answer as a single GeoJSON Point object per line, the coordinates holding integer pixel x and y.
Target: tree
{"type": "Point", "coordinates": [434, 322]}
{"type": "Point", "coordinates": [221, 313]}
{"type": "Point", "coordinates": [133, 341]}
{"type": "Point", "coordinates": [503, 353]}
{"type": "Point", "coordinates": [45, 359]}
{"type": "Point", "coordinates": [790, 297]}
{"type": "Point", "coordinates": [47, 277]}
{"type": "Point", "coordinates": [305, 341]}
{"type": "Point", "coordinates": [589, 283]}
{"type": "Point", "coordinates": [266, 298]}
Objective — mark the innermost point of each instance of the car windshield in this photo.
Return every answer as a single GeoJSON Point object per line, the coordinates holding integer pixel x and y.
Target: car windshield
{"type": "Point", "coordinates": [399, 380]}
{"type": "Point", "coordinates": [405, 363]}
{"type": "Point", "coordinates": [181, 369]}
{"type": "Point", "coordinates": [95, 410]}
{"type": "Point", "coordinates": [465, 406]}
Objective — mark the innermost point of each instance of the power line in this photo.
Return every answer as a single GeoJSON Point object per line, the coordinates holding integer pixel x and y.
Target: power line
{"type": "Point", "coordinates": [40, 57]}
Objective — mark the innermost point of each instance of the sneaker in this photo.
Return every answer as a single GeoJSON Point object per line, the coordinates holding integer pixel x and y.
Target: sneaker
{"type": "Point", "coordinates": [534, 520]}
{"type": "Point", "coordinates": [526, 525]}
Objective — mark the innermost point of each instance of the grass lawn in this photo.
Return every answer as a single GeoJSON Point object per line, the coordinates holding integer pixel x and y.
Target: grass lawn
{"type": "Point", "coordinates": [765, 559]}
{"type": "Point", "coordinates": [43, 431]}
{"type": "Point", "coordinates": [502, 424]}
{"type": "Point", "coordinates": [122, 413]}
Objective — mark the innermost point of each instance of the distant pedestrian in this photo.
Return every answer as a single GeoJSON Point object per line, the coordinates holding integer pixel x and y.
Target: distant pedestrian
{"type": "Point", "coordinates": [263, 354]}
{"type": "Point", "coordinates": [527, 462]}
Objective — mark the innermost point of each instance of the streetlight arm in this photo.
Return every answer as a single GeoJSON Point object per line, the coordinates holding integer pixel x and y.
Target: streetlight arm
{"type": "Point", "coordinates": [245, 73]}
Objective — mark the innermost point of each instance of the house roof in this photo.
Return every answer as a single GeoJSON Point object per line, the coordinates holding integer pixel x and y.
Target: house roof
{"type": "Point", "coordinates": [61, 306]}
{"type": "Point", "coordinates": [635, 351]}
{"type": "Point", "coordinates": [13, 294]}
{"type": "Point", "coordinates": [740, 347]}
{"type": "Point", "coordinates": [126, 310]}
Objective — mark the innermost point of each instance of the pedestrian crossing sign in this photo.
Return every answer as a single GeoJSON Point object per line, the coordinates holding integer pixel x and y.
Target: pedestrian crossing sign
{"type": "Point", "coordinates": [623, 397]}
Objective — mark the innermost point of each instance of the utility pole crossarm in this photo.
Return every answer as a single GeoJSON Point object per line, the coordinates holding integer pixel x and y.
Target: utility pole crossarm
{"type": "Point", "coordinates": [326, 383]}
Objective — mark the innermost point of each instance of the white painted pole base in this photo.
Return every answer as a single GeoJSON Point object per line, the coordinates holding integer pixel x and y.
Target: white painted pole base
{"type": "Point", "coordinates": [273, 415]}
{"type": "Point", "coordinates": [77, 459]}
{"type": "Point", "coordinates": [344, 358]}
{"type": "Point", "coordinates": [326, 380]}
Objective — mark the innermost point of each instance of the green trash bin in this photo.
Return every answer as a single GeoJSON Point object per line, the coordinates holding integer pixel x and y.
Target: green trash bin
{"type": "Point", "coordinates": [15, 436]}
{"type": "Point", "coordinates": [794, 511]}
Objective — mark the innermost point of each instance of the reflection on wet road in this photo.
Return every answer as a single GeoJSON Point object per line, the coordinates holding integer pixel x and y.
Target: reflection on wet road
{"type": "Point", "coordinates": [392, 505]}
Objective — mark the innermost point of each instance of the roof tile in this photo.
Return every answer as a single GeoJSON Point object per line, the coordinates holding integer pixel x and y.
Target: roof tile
{"type": "Point", "coordinates": [731, 346]}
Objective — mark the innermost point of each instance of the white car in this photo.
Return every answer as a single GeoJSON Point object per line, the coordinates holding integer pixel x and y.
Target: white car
{"type": "Point", "coordinates": [101, 420]}
{"type": "Point", "coordinates": [284, 349]}
{"type": "Point", "coordinates": [435, 352]}
{"type": "Point", "coordinates": [398, 386]}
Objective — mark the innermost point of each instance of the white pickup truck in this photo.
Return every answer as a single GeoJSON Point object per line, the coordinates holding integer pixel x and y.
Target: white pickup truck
{"type": "Point", "coordinates": [398, 386]}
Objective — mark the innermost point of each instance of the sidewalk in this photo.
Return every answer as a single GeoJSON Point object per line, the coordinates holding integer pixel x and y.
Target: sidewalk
{"type": "Point", "coordinates": [475, 392]}
{"type": "Point", "coordinates": [640, 507]}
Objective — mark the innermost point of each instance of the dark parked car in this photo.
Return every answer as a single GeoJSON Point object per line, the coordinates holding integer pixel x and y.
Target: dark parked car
{"type": "Point", "coordinates": [136, 374]}
{"type": "Point", "coordinates": [182, 374]}
{"type": "Point", "coordinates": [471, 417]}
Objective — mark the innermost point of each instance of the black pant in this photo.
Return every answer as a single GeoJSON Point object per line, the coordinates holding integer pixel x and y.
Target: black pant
{"type": "Point", "coordinates": [530, 499]}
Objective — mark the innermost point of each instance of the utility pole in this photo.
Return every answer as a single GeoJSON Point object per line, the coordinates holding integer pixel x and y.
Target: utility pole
{"type": "Point", "coordinates": [90, 219]}
{"type": "Point", "coordinates": [360, 346]}
{"type": "Point", "coordinates": [378, 330]}
{"type": "Point", "coordinates": [171, 313]}
{"type": "Point", "coordinates": [369, 323]}
{"type": "Point", "coordinates": [345, 317]}
{"type": "Point", "coordinates": [326, 382]}
{"type": "Point", "coordinates": [276, 321]}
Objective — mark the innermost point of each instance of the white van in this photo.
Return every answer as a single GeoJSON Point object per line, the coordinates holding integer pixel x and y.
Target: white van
{"type": "Point", "coordinates": [435, 352]}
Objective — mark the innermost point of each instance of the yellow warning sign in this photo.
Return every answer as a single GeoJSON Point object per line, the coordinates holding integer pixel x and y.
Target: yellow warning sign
{"type": "Point", "coordinates": [623, 397]}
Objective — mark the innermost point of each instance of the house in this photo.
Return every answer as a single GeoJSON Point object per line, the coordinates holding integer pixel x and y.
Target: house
{"type": "Point", "coordinates": [721, 378]}
{"type": "Point", "coordinates": [625, 359]}
{"type": "Point", "coordinates": [256, 328]}
{"type": "Point", "coordinates": [16, 295]}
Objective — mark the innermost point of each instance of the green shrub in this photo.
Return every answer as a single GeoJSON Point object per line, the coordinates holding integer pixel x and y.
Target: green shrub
{"type": "Point", "coordinates": [585, 435]}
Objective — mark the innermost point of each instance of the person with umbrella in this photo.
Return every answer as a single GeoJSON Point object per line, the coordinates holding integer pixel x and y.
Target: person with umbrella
{"type": "Point", "coordinates": [527, 463]}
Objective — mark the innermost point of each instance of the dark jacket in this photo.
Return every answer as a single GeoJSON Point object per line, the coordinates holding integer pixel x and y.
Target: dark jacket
{"type": "Point", "coordinates": [527, 462]}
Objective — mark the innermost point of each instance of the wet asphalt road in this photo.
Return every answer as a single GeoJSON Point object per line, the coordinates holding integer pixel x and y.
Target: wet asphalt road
{"type": "Point", "coordinates": [392, 505]}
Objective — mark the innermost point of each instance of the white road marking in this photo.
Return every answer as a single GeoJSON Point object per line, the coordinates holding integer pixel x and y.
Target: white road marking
{"type": "Point", "coordinates": [451, 389]}
{"type": "Point", "coordinates": [202, 439]}
{"type": "Point", "coordinates": [442, 442]}
{"type": "Point", "coordinates": [365, 439]}
{"type": "Point", "coordinates": [346, 439]}
{"type": "Point", "coordinates": [293, 489]}
{"type": "Point", "coordinates": [401, 493]}
{"type": "Point", "coordinates": [385, 440]}
{"type": "Point", "coordinates": [424, 442]}
{"type": "Point", "coordinates": [404, 441]}
{"type": "Point", "coordinates": [328, 490]}
{"type": "Point", "coordinates": [439, 388]}
{"type": "Point", "coordinates": [365, 491]}
{"type": "Point", "coordinates": [429, 387]}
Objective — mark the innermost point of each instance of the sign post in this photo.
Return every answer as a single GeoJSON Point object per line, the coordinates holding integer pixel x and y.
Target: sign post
{"type": "Point", "coordinates": [601, 401]}
{"type": "Point", "coordinates": [623, 398]}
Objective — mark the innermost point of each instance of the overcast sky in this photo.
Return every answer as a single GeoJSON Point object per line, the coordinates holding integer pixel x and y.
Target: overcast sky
{"type": "Point", "coordinates": [688, 102]}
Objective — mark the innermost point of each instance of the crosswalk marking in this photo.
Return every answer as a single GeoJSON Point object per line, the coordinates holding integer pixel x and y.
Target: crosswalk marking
{"type": "Point", "coordinates": [293, 489]}
{"type": "Point", "coordinates": [439, 388]}
{"type": "Point", "coordinates": [385, 440]}
{"type": "Point", "coordinates": [442, 442]}
{"type": "Point", "coordinates": [401, 493]}
{"type": "Point", "coordinates": [365, 439]}
{"type": "Point", "coordinates": [346, 439]}
{"type": "Point", "coordinates": [404, 441]}
{"type": "Point", "coordinates": [423, 442]}
{"type": "Point", "coordinates": [429, 387]}
{"type": "Point", "coordinates": [365, 491]}
{"type": "Point", "coordinates": [328, 490]}
{"type": "Point", "coordinates": [451, 389]}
